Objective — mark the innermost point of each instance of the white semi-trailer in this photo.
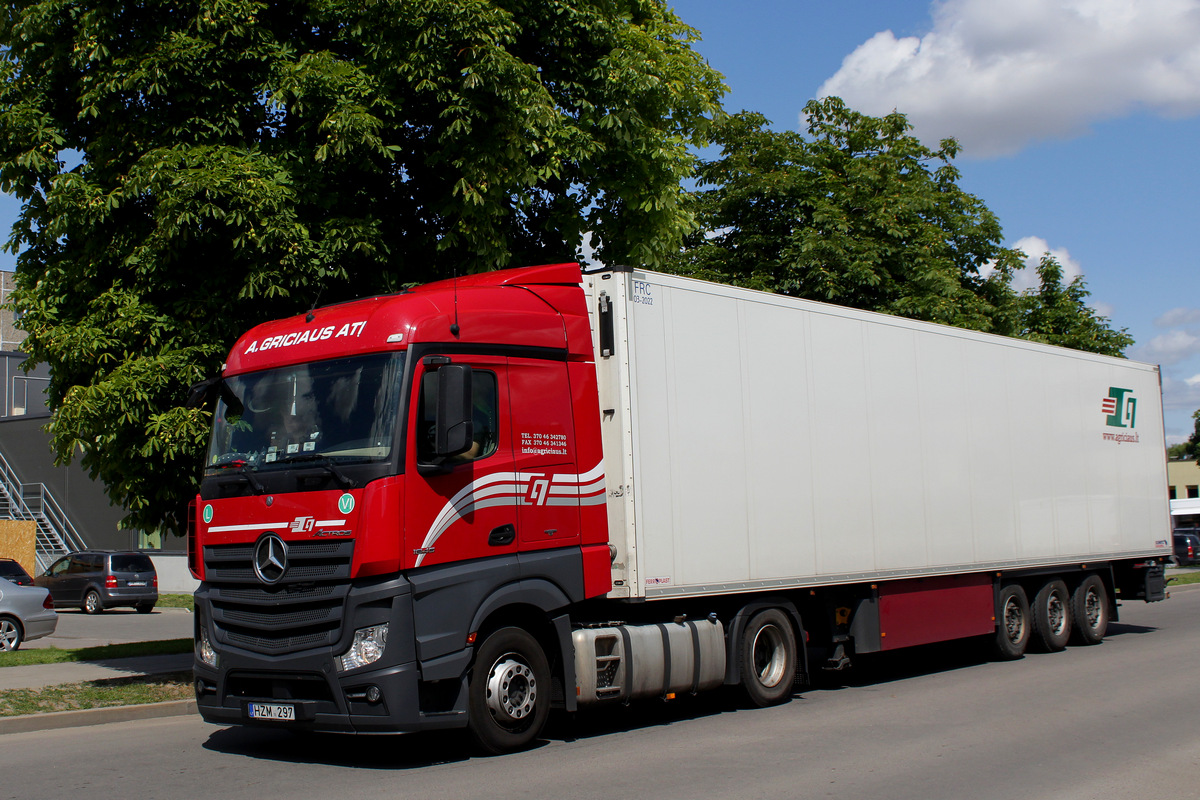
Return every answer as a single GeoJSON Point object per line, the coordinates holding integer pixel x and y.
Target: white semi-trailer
{"type": "Point", "coordinates": [539, 487]}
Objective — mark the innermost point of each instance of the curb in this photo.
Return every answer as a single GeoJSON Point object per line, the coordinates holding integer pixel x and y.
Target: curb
{"type": "Point", "coordinates": [55, 720]}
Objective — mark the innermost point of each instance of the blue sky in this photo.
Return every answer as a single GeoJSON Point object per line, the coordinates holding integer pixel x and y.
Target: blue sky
{"type": "Point", "coordinates": [1079, 120]}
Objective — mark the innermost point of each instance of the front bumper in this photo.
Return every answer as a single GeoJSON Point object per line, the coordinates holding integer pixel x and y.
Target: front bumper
{"type": "Point", "coordinates": [323, 698]}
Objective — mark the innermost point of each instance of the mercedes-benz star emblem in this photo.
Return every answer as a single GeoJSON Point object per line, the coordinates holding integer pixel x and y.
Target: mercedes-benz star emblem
{"type": "Point", "coordinates": [270, 559]}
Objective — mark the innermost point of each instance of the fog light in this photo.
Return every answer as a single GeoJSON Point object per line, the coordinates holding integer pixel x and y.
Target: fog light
{"type": "Point", "coordinates": [373, 694]}
{"type": "Point", "coordinates": [367, 648]}
{"type": "Point", "coordinates": [204, 649]}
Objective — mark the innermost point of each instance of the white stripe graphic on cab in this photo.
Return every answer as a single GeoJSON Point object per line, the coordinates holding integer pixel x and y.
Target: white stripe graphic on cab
{"type": "Point", "coordinates": [516, 488]}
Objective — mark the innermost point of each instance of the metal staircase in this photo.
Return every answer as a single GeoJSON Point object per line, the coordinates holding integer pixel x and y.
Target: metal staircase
{"type": "Point", "coordinates": [56, 536]}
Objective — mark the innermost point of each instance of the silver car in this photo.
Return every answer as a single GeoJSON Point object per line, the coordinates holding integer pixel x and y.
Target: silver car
{"type": "Point", "coordinates": [26, 612]}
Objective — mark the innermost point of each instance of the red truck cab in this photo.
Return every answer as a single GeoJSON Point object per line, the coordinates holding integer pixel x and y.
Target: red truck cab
{"type": "Point", "coordinates": [385, 474]}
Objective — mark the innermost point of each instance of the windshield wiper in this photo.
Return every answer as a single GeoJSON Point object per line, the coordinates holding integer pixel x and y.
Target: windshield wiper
{"type": "Point", "coordinates": [344, 480]}
{"type": "Point", "coordinates": [243, 469]}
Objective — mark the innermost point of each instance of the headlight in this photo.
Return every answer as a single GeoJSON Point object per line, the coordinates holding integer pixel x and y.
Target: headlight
{"type": "Point", "coordinates": [204, 648]}
{"type": "Point", "coordinates": [367, 648]}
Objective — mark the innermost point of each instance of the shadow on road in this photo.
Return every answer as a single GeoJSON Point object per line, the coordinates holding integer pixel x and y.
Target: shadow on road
{"type": "Point", "coordinates": [414, 751]}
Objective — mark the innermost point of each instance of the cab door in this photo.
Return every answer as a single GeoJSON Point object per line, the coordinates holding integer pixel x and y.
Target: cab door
{"type": "Point", "coordinates": [466, 508]}
{"type": "Point", "coordinates": [544, 443]}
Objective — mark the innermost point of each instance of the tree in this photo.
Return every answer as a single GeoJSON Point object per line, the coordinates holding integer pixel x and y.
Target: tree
{"type": "Point", "coordinates": [1059, 315]}
{"type": "Point", "coordinates": [857, 213]}
{"type": "Point", "coordinates": [187, 169]}
{"type": "Point", "coordinates": [1190, 448]}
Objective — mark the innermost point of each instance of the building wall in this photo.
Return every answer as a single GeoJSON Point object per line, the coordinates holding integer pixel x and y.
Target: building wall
{"type": "Point", "coordinates": [10, 335]}
{"type": "Point", "coordinates": [20, 393]}
{"type": "Point", "coordinates": [26, 447]}
{"type": "Point", "coordinates": [1183, 477]}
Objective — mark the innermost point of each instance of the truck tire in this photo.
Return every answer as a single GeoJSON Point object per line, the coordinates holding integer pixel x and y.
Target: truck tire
{"type": "Point", "coordinates": [1012, 623]}
{"type": "Point", "coordinates": [768, 658]}
{"type": "Point", "coordinates": [1089, 611]}
{"type": "Point", "coordinates": [1052, 617]}
{"type": "Point", "coordinates": [508, 692]}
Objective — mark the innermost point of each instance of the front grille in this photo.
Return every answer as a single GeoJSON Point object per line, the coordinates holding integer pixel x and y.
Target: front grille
{"type": "Point", "coordinates": [302, 611]}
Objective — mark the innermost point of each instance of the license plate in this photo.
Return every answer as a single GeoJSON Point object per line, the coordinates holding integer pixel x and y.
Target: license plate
{"type": "Point", "coordinates": [276, 711]}
{"type": "Point", "coordinates": [136, 583]}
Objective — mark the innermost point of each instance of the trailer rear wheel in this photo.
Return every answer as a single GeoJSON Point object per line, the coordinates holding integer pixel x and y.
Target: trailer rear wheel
{"type": "Point", "coordinates": [1052, 616]}
{"type": "Point", "coordinates": [1089, 611]}
{"type": "Point", "coordinates": [1012, 623]}
{"type": "Point", "coordinates": [509, 691]}
{"type": "Point", "coordinates": [768, 658]}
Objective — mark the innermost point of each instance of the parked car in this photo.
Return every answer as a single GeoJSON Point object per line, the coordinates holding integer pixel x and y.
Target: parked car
{"type": "Point", "coordinates": [95, 580]}
{"type": "Point", "coordinates": [1187, 548]}
{"type": "Point", "coordinates": [12, 569]}
{"type": "Point", "coordinates": [26, 612]}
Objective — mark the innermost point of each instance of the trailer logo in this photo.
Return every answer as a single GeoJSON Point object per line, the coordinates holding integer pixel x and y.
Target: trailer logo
{"type": "Point", "coordinates": [1121, 410]}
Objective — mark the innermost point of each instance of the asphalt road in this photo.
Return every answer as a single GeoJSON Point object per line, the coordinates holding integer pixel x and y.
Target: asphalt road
{"type": "Point", "coordinates": [117, 626]}
{"type": "Point", "coordinates": [1115, 721]}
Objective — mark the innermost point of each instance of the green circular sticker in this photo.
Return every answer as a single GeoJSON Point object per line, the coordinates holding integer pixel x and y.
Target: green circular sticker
{"type": "Point", "coordinates": [208, 514]}
{"type": "Point", "coordinates": [346, 503]}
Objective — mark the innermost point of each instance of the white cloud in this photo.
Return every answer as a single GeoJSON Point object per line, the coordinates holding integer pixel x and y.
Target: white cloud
{"type": "Point", "coordinates": [1177, 317]}
{"type": "Point", "coordinates": [1034, 247]}
{"type": "Point", "coordinates": [1169, 348]}
{"type": "Point", "coordinates": [1000, 75]}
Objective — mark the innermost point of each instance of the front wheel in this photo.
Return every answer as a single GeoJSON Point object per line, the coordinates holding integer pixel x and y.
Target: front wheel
{"type": "Point", "coordinates": [509, 691]}
{"type": "Point", "coordinates": [92, 603]}
{"type": "Point", "coordinates": [10, 634]}
{"type": "Point", "coordinates": [768, 658]}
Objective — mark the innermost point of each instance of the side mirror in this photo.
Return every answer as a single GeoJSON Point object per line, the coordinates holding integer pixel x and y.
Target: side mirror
{"type": "Point", "coordinates": [202, 393]}
{"type": "Point", "coordinates": [453, 427]}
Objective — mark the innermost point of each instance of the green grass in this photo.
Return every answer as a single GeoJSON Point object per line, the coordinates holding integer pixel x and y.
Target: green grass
{"type": "Point", "coordinates": [97, 694]}
{"type": "Point", "coordinates": [54, 655]}
{"type": "Point", "coordinates": [177, 601]}
{"type": "Point", "coordinates": [1183, 579]}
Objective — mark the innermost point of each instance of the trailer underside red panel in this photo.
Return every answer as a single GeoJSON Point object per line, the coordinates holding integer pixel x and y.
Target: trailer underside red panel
{"type": "Point", "coordinates": [935, 610]}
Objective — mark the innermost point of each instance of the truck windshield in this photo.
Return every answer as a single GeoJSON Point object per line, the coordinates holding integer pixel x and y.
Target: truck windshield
{"type": "Point", "coordinates": [343, 410]}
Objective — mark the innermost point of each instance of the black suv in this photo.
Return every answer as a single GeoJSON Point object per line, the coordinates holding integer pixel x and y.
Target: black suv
{"type": "Point", "coordinates": [98, 579]}
{"type": "Point", "coordinates": [1187, 548]}
{"type": "Point", "coordinates": [11, 568]}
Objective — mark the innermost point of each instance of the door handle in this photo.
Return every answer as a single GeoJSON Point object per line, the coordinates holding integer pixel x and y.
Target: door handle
{"type": "Point", "coordinates": [501, 536]}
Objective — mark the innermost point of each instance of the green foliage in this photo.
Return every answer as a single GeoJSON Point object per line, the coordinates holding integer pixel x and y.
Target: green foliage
{"type": "Point", "coordinates": [859, 213]}
{"type": "Point", "coordinates": [188, 169]}
{"type": "Point", "coordinates": [1059, 315]}
{"type": "Point", "coordinates": [1181, 451]}
{"type": "Point", "coordinates": [854, 213]}
{"type": "Point", "coordinates": [1190, 448]}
